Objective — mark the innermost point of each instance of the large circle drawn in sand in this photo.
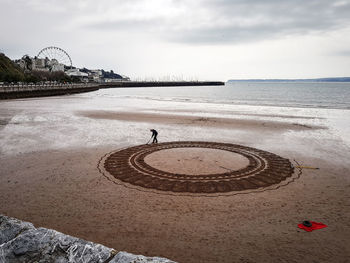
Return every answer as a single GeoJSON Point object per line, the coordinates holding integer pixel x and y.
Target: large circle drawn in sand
{"type": "Point", "coordinates": [197, 167]}
{"type": "Point", "coordinates": [196, 161]}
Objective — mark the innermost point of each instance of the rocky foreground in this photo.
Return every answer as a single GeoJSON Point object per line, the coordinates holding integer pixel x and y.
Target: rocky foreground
{"type": "Point", "coordinates": [21, 242]}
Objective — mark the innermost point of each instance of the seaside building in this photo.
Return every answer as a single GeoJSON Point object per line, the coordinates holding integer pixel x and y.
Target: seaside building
{"type": "Point", "coordinates": [95, 75]}
{"type": "Point", "coordinates": [38, 63]}
{"type": "Point", "coordinates": [75, 72]}
{"type": "Point", "coordinates": [21, 63]}
{"type": "Point", "coordinates": [55, 66]}
{"type": "Point", "coordinates": [28, 63]}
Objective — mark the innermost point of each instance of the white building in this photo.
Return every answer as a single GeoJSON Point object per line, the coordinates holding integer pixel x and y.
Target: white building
{"type": "Point", "coordinates": [74, 72]}
{"type": "Point", "coordinates": [55, 65]}
{"type": "Point", "coordinates": [38, 63]}
{"type": "Point", "coordinates": [96, 72]}
{"type": "Point", "coordinates": [96, 75]}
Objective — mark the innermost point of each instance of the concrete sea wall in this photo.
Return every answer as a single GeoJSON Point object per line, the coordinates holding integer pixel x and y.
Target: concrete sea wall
{"type": "Point", "coordinates": [21, 242]}
{"type": "Point", "coordinates": [42, 90]}
{"type": "Point", "coordinates": [136, 84]}
{"type": "Point", "coordinates": [16, 91]}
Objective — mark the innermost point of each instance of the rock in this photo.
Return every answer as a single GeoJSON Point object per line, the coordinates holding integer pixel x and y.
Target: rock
{"type": "Point", "coordinates": [46, 245]}
{"type": "Point", "coordinates": [11, 227]}
{"type": "Point", "coordinates": [124, 257]}
{"type": "Point", "coordinates": [22, 242]}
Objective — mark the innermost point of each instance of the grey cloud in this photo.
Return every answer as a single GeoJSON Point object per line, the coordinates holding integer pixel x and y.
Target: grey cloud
{"type": "Point", "coordinates": [270, 18]}
{"type": "Point", "coordinates": [124, 24]}
{"type": "Point", "coordinates": [236, 33]}
{"type": "Point", "coordinates": [193, 22]}
{"type": "Point", "coordinates": [231, 21]}
{"type": "Point", "coordinates": [342, 53]}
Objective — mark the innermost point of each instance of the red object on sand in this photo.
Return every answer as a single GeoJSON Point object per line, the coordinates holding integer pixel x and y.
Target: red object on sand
{"type": "Point", "coordinates": [314, 226]}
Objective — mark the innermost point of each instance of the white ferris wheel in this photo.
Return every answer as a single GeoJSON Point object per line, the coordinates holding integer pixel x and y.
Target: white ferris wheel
{"type": "Point", "coordinates": [56, 53]}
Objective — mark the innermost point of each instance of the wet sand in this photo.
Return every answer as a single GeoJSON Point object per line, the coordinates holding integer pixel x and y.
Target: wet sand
{"type": "Point", "coordinates": [217, 122]}
{"type": "Point", "coordinates": [62, 188]}
{"type": "Point", "coordinates": [196, 161]}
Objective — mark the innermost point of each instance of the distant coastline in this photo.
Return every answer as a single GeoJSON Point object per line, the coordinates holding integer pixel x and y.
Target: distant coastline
{"type": "Point", "coordinates": [340, 79]}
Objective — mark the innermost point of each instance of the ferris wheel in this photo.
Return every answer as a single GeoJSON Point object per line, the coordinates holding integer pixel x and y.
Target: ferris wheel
{"type": "Point", "coordinates": [57, 53]}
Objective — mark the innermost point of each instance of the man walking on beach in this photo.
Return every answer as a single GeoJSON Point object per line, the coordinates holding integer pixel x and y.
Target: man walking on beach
{"type": "Point", "coordinates": [154, 136]}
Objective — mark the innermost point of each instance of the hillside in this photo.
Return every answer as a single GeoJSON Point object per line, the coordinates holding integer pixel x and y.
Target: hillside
{"type": "Point", "coordinates": [9, 71]}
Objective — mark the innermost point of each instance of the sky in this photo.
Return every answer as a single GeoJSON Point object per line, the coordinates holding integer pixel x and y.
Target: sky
{"type": "Point", "coordinates": [186, 39]}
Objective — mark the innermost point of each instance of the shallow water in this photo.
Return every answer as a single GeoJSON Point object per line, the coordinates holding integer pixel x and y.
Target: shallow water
{"type": "Point", "coordinates": [299, 94]}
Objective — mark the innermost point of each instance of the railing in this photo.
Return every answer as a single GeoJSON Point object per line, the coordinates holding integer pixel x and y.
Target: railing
{"type": "Point", "coordinates": [43, 86]}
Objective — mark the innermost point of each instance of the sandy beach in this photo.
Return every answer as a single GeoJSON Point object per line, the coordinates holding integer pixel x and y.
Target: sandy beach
{"type": "Point", "coordinates": [51, 149]}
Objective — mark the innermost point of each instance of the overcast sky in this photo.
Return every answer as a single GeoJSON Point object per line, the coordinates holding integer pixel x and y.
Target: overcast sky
{"type": "Point", "coordinates": [189, 39]}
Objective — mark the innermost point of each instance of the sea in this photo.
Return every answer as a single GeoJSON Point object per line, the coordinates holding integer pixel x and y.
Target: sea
{"type": "Point", "coordinates": [332, 95]}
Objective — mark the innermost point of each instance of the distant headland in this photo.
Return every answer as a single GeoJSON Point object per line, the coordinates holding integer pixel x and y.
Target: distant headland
{"type": "Point", "coordinates": [339, 79]}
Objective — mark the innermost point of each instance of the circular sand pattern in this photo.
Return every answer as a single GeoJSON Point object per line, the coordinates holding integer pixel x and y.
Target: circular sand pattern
{"type": "Point", "coordinates": [196, 161]}
{"type": "Point", "coordinates": [142, 166]}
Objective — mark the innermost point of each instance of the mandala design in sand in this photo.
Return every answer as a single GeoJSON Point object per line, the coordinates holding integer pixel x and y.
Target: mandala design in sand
{"type": "Point", "coordinates": [260, 169]}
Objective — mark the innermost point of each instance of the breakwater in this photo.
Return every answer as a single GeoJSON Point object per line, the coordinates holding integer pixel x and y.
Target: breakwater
{"type": "Point", "coordinates": [136, 84]}
{"type": "Point", "coordinates": [16, 91]}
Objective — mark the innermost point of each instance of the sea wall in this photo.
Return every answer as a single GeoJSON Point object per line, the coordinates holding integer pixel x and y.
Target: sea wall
{"type": "Point", "coordinates": [40, 90]}
{"type": "Point", "coordinates": [123, 84]}
{"type": "Point", "coordinates": [16, 91]}
{"type": "Point", "coordinates": [21, 242]}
